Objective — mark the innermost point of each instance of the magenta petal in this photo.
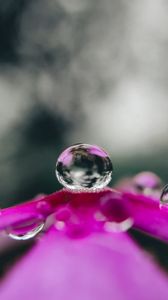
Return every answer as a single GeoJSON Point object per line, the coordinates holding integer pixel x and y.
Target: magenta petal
{"type": "Point", "coordinates": [39, 207]}
{"type": "Point", "coordinates": [42, 207]}
{"type": "Point", "coordinates": [101, 266]}
{"type": "Point", "coordinates": [148, 215]}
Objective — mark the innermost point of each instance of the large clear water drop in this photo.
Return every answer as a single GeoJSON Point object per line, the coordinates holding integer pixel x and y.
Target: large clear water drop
{"type": "Point", "coordinates": [25, 230]}
{"type": "Point", "coordinates": [84, 167]}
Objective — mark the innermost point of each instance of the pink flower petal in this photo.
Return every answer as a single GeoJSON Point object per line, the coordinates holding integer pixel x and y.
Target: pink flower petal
{"type": "Point", "coordinates": [36, 208]}
{"type": "Point", "coordinates": [46, 205]}
{"type": "Point", "coordinates": [100, 266]}
{"type": "Point", "coordinates": [148, 215]}
{"type": "Point", "coordinates": [144, 210]}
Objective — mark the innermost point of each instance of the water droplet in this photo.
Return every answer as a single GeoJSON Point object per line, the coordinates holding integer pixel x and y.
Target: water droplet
{"type": "Point", "coordinates": [84, 166]}
{"type": "Point", "coordinates": [117, 212]}
{"type": "Point", "coordinates": [147, 183]}
{"type": "Point", "coordinates": [26, 230]}
{"type": "Point", "coordinates": [44, 208]}
{"type": "Point", "coordinates": [164, 195]}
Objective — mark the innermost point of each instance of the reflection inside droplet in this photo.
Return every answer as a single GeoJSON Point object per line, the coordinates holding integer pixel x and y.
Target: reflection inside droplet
{"type": "Point", "coordinates": [164, 195]}
{"type": "Point", "coordinates": [25, 230]}
{"type": "Point", "coordinates": [84, 166]}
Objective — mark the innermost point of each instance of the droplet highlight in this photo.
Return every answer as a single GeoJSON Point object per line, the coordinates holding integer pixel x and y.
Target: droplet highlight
{"type": "Point", "coordinates": [25, 231]}
{"type": "Point", "coordinates": [118, 227]}
{"type": "Point", "coordinates": [84, 167]}
{"type": "Point", "coordinates": [164, 195]}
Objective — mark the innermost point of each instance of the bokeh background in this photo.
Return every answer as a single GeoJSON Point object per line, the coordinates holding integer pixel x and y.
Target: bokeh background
{"type": "Point", "coordinates": [81, 71]}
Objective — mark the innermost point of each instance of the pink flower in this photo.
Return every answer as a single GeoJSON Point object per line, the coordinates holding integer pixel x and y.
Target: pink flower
{"type": "Point", "coordinates": [83, 252]}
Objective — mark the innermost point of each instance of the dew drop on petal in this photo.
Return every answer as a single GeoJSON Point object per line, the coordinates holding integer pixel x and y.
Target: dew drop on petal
{"type": "Point", "coordinates": [117, 212]}
{"type": "Point", "coordinates": [147, 183]}
{"type": "Point", "coordinates": [84, 167]}
{"type": "Point", "coordinates": [26, 230]}
{"type": "Point", "coordinates": [114, 207]}
{"type": "Point", "coordinates": [44, 208]}
{"type": "Point", "coordinates": [164, 195]}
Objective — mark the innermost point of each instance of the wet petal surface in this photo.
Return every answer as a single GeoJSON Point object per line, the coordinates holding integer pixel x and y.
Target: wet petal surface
{"type": "Point", "coordinates": [148, 216]}
{"type": "Point", "coordinates": [100, 266]}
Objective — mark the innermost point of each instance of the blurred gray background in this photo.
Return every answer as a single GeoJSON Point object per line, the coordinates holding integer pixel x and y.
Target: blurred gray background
{"type": "Point", "coordinates": [81, 71]}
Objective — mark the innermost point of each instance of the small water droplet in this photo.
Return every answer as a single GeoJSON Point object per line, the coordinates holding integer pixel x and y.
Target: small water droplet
{"type": "Point", "coordinates": [117, 212]}
{"type": "Point", "coordinates": [114, 207]}
{"type": "Point", "coordinates": [84, 166]}
{"type": "Point", "coordinates": [147, 183]}
{"type": "Point", "coordinates": [26, 230]}
{"type": "Point", "coordinates": [44, 207]}
{"type": "Point", "coordinates": [164, 195]}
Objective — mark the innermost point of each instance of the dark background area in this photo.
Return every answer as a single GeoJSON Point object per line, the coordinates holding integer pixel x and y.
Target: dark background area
{"type": "Point", "coordinates": [80, 71]}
